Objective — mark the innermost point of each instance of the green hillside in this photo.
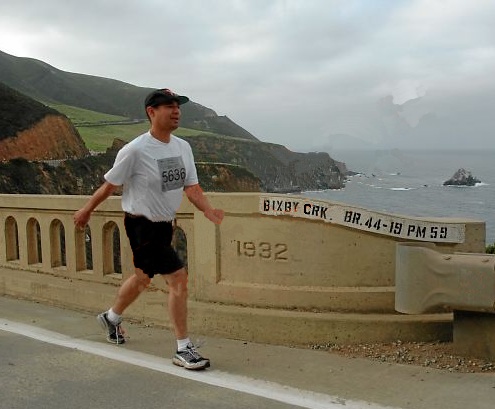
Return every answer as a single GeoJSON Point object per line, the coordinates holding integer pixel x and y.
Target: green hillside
{"type": "Point", "coordinates": [81, 115]}
{"type": "Point", "coordinates": [43, 82]}
{"type": "Point", "coordinates": [98, 130]}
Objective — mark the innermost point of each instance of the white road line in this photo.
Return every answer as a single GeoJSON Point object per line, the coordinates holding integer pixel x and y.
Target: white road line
{"type": "Point", "coordinates": [265, 389]}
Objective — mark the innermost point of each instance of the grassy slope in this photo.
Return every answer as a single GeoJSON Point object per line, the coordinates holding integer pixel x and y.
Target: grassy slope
{"type": "Point", "coordinates": [78, 115]}
{"type": "Point", "coordinates": [99, 138]}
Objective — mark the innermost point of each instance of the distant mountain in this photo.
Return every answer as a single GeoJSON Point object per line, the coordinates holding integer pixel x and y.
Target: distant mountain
{"type": "Point", "coordinates": [434, 121]}
{"type": "Point", "coordinates": [48, 84]}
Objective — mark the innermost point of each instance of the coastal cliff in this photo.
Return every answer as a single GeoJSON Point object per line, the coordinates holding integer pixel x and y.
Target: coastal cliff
{"type": "Point", "coordinates": [278, 168]}
{"type": "Point", "coordinates": [53, 137]}
{"type": "Point", "coordinates": [33, 131]}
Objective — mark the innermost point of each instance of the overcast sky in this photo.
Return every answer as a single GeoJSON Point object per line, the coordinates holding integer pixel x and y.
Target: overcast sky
{"type": "Point", "coordinates": [307, 74]}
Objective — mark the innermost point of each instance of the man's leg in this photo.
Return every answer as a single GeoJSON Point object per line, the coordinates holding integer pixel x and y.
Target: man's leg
{"type": "Point", "coordinates": [186, 355]}
{"type": "Point", "coordinates": [177, 302]}
{"type": "Point", "coordinates": [130, 290]}
{"type": "Point", "coordinates": [110, 320]}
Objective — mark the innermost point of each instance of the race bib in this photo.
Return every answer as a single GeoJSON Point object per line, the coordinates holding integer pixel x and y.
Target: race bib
{"type": "Point", "coordinates": [173, 173]}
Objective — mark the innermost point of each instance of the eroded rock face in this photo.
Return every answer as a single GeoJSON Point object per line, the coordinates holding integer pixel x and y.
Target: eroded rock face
{"type": "Point", "coordinates": [84, 176]}
{"type": "Point", "coordinates": [216, 177]}
{"type": "Point", "coordinates": [462, 177]}
{"type": "Point", "coordinates": [53, 137]}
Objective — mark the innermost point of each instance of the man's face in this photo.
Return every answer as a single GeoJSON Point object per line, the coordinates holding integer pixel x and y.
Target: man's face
{"type": "Point", "coordinates": [165, 116]}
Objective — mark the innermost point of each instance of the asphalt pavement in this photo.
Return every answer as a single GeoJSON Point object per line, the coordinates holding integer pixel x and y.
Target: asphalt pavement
{"type": "Point", "coordinates": [51, 357]}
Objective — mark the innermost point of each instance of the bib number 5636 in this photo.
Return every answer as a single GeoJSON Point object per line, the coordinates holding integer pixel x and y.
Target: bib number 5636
{"type": "Point", "coordinates": [174, 174]}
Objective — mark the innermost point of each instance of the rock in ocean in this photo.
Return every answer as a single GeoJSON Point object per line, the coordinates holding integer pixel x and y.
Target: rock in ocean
{"type": "Point", "coordinates": [462, 177]}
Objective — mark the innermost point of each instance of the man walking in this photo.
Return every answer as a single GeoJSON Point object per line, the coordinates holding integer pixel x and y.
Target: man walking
{"type": "Point", "coordinates": [154, 170]}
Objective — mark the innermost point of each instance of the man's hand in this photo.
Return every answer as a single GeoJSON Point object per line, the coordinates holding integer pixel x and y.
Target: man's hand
{"type": "Point", "coordinates": [214, 215]}
{"type": "Point", "coordinates": [197, 198]}
{"type": "Point", "coordinates": [81, 218]}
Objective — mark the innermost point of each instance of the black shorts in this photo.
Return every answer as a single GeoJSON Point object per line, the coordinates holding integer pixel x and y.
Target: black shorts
{"type": "Point", "coordinates": [151, 245]}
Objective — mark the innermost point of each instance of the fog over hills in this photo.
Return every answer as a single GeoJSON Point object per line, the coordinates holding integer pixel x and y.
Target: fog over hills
{"type": "Point", "coordinates": [425, 122]}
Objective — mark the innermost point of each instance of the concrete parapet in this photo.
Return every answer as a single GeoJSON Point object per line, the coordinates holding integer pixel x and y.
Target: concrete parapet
{"type": "Point", "coordinates": [428, 280]}
{"type": "Point", "coordinates": [280, 268]}
{"type": "Point", "coordinates": [267, 325]}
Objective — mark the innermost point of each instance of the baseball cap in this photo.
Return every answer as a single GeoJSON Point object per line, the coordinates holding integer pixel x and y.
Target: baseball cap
{"type": "Point", "coordinates": [164, 96]}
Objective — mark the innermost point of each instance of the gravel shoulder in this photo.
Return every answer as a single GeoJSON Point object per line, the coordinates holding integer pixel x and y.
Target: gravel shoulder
{"type": "Point", "coordinates": [438, 355]}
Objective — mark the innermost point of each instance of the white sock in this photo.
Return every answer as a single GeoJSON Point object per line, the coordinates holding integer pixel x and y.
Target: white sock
{"type": "Point", "coordinates": [113, 317]}
{"type": "Point", "coordinates": [182, 344]}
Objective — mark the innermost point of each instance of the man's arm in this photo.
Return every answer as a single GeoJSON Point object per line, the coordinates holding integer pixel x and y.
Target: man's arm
{"type": "Point", "coordinates": [81, 217]}
{"type": "Point", "coordinates": [195, 195]}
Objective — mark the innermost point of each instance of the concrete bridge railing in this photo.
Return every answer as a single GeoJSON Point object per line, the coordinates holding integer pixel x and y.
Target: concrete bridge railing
{"type": "Point", "coordinates": [281, 269]}
{"type": "Point", "coordinates": [428, 280]}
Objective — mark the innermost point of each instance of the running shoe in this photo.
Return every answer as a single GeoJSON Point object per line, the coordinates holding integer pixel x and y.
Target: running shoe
{"type": "Point", "coordinates": [115, 334]}
{"type": "Point", "coordinates": [190, 358]}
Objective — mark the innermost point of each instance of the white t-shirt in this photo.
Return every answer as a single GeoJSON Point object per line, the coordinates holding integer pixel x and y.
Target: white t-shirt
{"type": "Point", "coordinates": [153, 175]}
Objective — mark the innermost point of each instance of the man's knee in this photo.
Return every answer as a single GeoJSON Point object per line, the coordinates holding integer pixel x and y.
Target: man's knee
{"type": "Point", "coordinates": [177, 282]}
{"type": "Point", "coordinates": [142, 279]}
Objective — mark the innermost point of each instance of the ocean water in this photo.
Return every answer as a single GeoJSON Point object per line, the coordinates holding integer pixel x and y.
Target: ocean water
{"type": "Point", "coordinates": [410, 183]}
